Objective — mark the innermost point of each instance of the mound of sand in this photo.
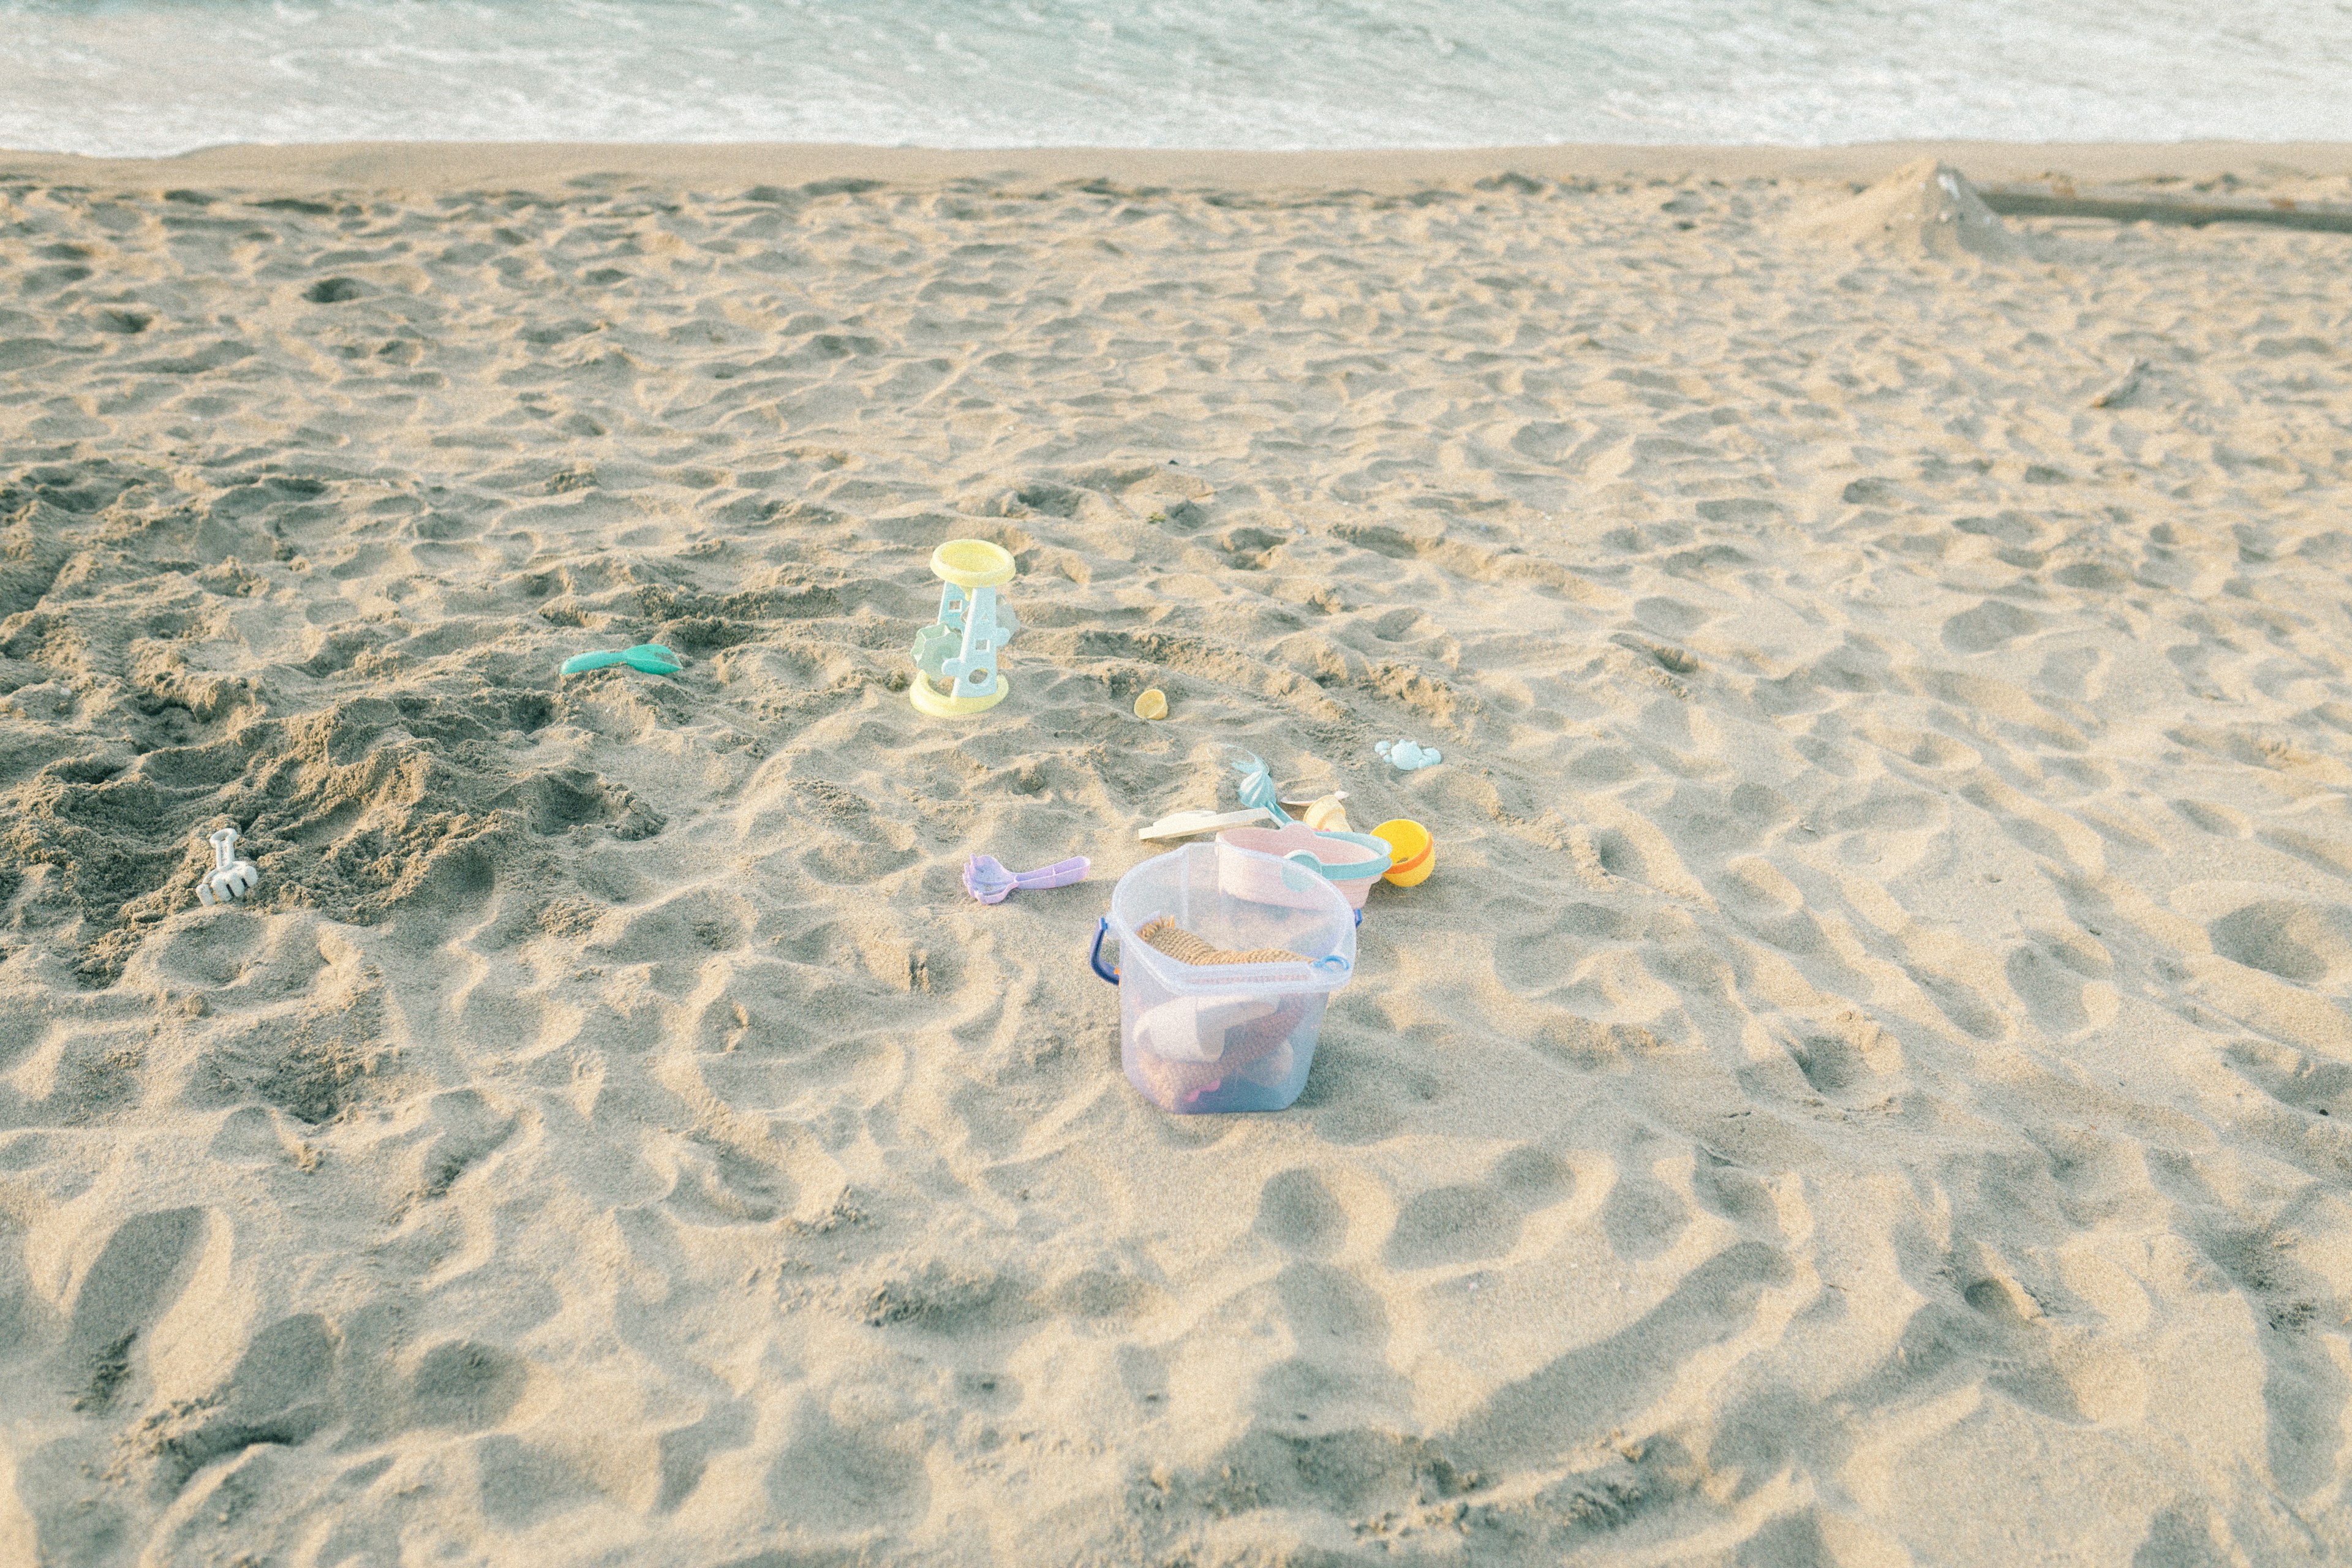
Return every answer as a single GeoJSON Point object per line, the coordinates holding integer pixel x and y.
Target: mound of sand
{"type": "Point", "coordinates": [1924, 208]}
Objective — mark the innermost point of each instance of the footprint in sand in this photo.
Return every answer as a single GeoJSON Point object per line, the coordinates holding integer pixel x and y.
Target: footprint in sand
{"type": "Point", "coordinates": [1474, 1221]}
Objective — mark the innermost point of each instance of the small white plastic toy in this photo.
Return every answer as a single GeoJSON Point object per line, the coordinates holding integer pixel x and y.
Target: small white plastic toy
{"type": "Point", "coordinates": [230, 877]}
{"type": "Point", "coordinates": [1408, 756]}
{"type": "Point", "coordinates": [1184, 824]}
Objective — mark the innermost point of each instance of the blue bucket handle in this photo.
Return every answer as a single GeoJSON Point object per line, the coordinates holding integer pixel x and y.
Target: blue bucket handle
{"type": "Point", "coordinates": [1346, 870]}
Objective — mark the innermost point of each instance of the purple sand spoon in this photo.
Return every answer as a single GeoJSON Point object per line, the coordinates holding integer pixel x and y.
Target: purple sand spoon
{"type": "Point", "coordinates": [985, 877]}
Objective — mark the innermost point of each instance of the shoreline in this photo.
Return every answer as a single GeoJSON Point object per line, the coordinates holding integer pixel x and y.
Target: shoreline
{"type": "Point", "coordinates": [431, 166]}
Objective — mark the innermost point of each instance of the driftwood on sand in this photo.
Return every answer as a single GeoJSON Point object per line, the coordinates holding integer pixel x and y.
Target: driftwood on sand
{"type": "Point", "coordinates": [2064, 198]}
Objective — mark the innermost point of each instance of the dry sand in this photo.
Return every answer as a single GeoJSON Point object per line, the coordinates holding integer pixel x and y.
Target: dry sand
{"type": "Point", "coordinates": [1868, 1082]}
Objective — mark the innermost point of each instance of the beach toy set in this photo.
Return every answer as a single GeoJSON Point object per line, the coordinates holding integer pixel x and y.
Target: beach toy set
{"type": "Point", "coordinates": [1226, 959]}
{"type": "Point", "coordinates": [1349, 861]}
{"type": "Point", "coordinates": [1400, 851]}
{"type": "Point", "coordinates": [1228, 951]}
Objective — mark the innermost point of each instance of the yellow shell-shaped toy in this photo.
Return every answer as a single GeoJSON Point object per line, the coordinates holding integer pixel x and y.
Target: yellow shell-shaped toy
{"type": "Point", "coordinates": [1327, 815]}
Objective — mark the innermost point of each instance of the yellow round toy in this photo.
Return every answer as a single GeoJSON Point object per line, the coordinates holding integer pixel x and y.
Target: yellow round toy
{"type": "Point", "coordinates": [1326, 815]}
{"type": "Point", "coordinates": [960, 647]}
{"type": "Point", "coordinates": [1415, 851]}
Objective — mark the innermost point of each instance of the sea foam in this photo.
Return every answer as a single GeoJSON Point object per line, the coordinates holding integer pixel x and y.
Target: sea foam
{"type": "Point", "coordinates": [147, 76]}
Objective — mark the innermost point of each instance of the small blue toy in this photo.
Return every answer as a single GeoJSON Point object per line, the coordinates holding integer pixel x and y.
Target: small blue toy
{"type": "Point", "coordinates": [1408, 756]}
{"type": "Point", "coordinates": [1256, 784]}
{"type": "Point", "coordinates": [649, 656]}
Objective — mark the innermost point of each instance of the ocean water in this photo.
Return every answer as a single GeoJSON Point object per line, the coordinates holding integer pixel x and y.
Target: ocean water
{"type": "Point", "coordinates": [144, 77]}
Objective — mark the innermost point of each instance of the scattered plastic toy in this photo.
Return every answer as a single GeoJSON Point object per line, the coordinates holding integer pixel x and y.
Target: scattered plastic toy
{"type": "Point", "coordinates": [649, 656]}
{"type": "Point", "coordinates": [1324, 813]}
{"type": "Point", "coordinates": [1256, 786]}
{"type": "Point", "coordinates": [1184, 824]}
{"type": "Point", "coordinates": [1301, 803]}
{"type": "Point", "coordinates": [1408, 756]}
{"type": "Point", "coordinates": [230, 877]}
{"type": "Point", "coordinates": [1351, 861]}
{"type": "Point", "coordinates": [960, 647]}
{"type": "Point", "coordinates": [985, 877]}
{"type": "Point", "coordinates": [1261, 804]}
{"type": "Point", "coordinates": [1415, 851]}
{"type": "Point", "coordinates": [1233, 1027]}
{"type": "Point", "coordinates": [1153, 704]}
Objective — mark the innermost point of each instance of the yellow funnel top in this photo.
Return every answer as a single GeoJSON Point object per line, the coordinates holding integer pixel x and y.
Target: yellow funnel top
{"type": "Point", "coordinates": [972, 564]}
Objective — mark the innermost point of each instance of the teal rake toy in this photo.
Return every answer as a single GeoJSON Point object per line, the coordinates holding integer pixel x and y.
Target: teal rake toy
{"type": "Point", "coordinates": [648, 657]}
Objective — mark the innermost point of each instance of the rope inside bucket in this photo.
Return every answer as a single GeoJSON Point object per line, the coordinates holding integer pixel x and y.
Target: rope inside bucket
{"type": "Point", "coordinates": [1182, 946]}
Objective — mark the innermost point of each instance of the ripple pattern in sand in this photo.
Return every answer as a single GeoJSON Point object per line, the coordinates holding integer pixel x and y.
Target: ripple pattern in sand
{"type": "Point", "coordinates": [1866, 1084]}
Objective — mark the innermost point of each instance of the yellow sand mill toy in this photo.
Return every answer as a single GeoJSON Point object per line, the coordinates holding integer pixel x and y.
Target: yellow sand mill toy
{"type": "Point", "coordinates": [959, 649]}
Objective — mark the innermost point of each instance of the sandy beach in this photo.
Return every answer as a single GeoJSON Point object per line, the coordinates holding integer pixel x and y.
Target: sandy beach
{"type": "Point", "coordinates": [1867, 1083]}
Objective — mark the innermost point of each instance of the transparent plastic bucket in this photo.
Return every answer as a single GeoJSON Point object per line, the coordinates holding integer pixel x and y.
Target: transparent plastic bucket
{"type": "Point", "coordinates": [1198, 1038]}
